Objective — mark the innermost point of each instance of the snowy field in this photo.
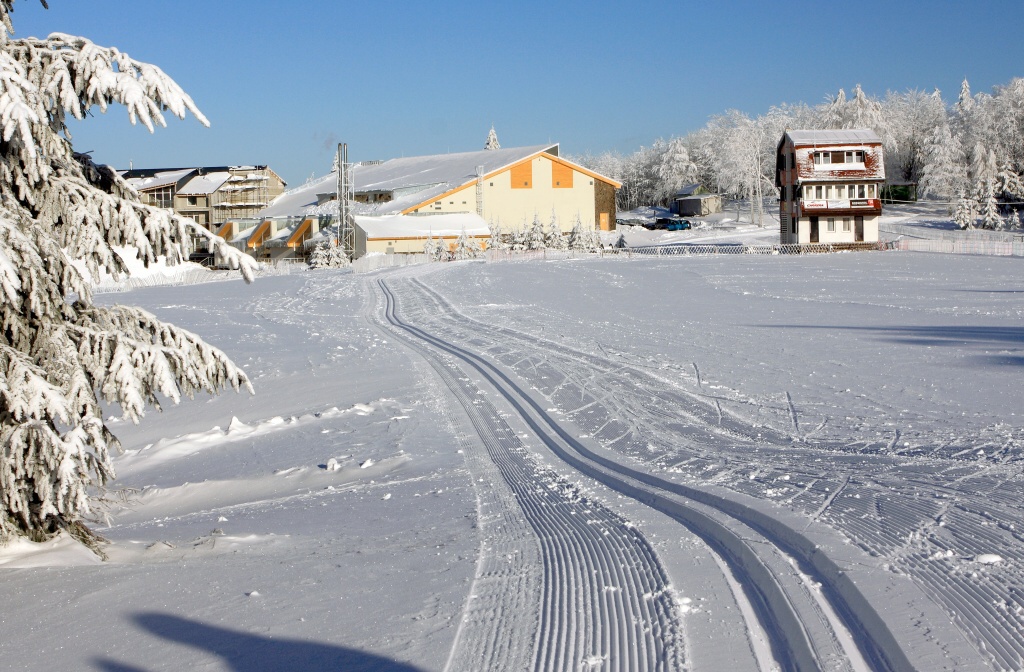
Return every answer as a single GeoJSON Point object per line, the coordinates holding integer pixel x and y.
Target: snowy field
{"type": "Point", "coordinates": [737, 463]}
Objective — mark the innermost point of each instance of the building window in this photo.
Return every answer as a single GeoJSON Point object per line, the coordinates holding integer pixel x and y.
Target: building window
{"type": "Point", "coordinates": [828, 192]}
{"type": "Point", "coordinates": [831, 223]}
{"type": "Point", "coordinates": [192, 200]}
{"type": "Point", "coordinates": [860, 157]}
{"type": "Point", "coordinates": [817, 191]}
{"type": "Point", "coordinates": [840, 191]}
{"type": "Point", "coordinates": [871, 191]}
{"type": "Point", "coordinates": [860, 191]}
{"type": "Point", "coordinates": [846, 223]}
{"type": "Point", "coordinates": [162, 197]}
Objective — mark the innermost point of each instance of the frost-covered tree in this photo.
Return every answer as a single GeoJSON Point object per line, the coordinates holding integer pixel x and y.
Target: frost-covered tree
{"type": "Point", "coordinates": [1008, 183]}
{"type": "Point", "coordinates": [517, 238]}
{"type": "Point", "coordinates": [61, 356]}
{"type": "Point", "coordinates": [964, 213]}
{"type": "Point", "coordinates": [327, 254]}
{"type": "Point", "coordinates": [496, 241]}
{"type": "Point", "coordinates": [944, 174]}
{"type": "Point", "coordinates": [990, 217]}
{"type": "Point", "coordinates": [554, 239]}
{"type": "Point", "coordinates": [1013, 219]}
{"type": "Point", "coordinates": [430, 246]}
{"type": "Point", "coordinates": [466, 247]}
{"type": "Point", "coordinates": [492, 140]}
{"type": "Point", "coordinates": [536, 237]}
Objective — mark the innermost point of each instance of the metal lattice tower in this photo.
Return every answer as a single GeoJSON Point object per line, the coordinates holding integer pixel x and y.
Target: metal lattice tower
{"type": "Point", "coordinates": [346, 223]}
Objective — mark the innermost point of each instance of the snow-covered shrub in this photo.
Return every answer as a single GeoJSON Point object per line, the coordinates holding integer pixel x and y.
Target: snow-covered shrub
{"type": "Point", "coordinates": [535, 239]}
{"type": "Point", "coordinates": [61, 357]}
{"type": "Point", "coordinates": [328, 255]}
{"type": "Point", "coordinates": [964, 213]}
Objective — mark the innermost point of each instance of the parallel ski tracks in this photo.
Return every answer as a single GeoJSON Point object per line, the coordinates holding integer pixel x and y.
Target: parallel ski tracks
{"type": "Point", "coordinates": [761, 552]}
{"type": "Point", "coordinates": [605, 597]}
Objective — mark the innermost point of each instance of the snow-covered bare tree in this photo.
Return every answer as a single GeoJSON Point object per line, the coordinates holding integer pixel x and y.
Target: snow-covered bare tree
{"type": "Point", "coordinates": [61, 356]}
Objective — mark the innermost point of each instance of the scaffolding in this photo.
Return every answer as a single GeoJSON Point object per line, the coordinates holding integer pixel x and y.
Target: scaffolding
{"type": "Point", "coordinates": [346, 223]}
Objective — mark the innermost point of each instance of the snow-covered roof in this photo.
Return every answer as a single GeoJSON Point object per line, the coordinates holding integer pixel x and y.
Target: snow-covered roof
{"type": "Point", "coordinates": [438, 169]}
{"type": "Point", "coordinates": [161, 179]}
{"type": "Point", "coordinates": [201, 185]}
{"type": "Point", "coordinates": [434, 175]}
{"type": "Point", "coordinates": [298, 201]}
{"type": "Point", "coordinates": [421, 226]}
{"type": "Point", "coordinates": [842, 136]}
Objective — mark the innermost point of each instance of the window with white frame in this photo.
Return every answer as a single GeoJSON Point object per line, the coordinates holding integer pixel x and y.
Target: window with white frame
{"type": "Point", "coordinates": [831, 223]}
{"type": "Point", "coordinates": [846, 223]}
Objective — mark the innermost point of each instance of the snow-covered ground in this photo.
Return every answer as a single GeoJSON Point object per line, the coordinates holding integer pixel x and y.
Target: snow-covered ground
{"type": "Point", "coordinates": [609, 464]}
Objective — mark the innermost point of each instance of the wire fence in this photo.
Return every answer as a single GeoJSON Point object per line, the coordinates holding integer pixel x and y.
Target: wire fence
{"type": "Point", "coordinates": [992, 248]}
{"type": "Point", "coordinates": [376, 262]}
{"type": "Point", "coordinates": [954, 235]}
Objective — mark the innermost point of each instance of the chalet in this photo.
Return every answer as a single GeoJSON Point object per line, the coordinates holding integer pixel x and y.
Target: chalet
{"type": "Point", "coordinates": [829, 186]}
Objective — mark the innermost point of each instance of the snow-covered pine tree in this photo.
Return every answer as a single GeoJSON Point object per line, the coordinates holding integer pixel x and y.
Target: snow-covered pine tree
{"type": "Point", "coordinates": [554, 239]}
{"type": "Point", "coordinates": [327, 254]}
{"type": "Point", "coordinates": [535, 237]}
{"type": "Point", "coordinates": [496, 242]}
{"type": "Point", "coordinates": [430, 247]}
{"type": "Point", "coordinates": [61, 356]}
{"type": "Point", "coordinates": [492, 140]}
{"type": "Point", "coordinates": [465, 247]}
{"type": "Point", "coordinates": [1008, 183]}
{"type": "Point", "coordinates": [517, 238]}
{"type": "Point", "coordinates": [1013, 220]}
{"type": "Point", "coordinates": [964, 213]}
{"type": "Point", "coordinates": [574, 241]}
{"type": "Point", "coordinates": [944, 174]}
{"type": "Point", "coordinates": [990, 217]}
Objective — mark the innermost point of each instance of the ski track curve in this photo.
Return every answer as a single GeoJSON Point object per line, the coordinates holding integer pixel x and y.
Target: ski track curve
{"type": "Point", "coordinates": [606, 599]}
{"type": "Point", "coordinates": [806, 629]}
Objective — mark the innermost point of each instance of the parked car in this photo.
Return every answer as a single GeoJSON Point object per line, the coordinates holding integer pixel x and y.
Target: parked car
{"type": "Point", "coordinates": [672, 224]}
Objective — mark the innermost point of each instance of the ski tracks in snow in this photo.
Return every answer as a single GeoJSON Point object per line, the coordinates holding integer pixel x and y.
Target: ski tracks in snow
{"type": "Point", "coordinates": [601, 599]}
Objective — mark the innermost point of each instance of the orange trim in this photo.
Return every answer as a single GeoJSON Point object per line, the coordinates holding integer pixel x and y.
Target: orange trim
{"type": "Point", "coordinates": [226, 229]}
{"type": "Point", "coordinates": [552, 157]}
{"type": "Point", "coordinates": [561, 176]}
{"type": "Point", "coordinates": [300, 234]}
{"type": "Point", "coordinates": [522, 175]}
{"type": "Point", "coordinates": [259, 235]}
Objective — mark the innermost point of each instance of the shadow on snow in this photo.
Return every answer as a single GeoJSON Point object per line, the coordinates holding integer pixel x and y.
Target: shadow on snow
{"type": "Point", "coordinates": [245, 651]}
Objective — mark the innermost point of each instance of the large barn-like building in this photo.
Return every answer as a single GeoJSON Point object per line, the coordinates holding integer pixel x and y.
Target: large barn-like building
{"type": "Point", "coordinates": [506, 187]}
{"type": "Point", "coordinates": [830, 185]}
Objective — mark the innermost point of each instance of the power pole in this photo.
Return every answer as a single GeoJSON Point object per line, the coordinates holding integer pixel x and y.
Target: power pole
{"type": "Point", "coordinates": [346, 225]}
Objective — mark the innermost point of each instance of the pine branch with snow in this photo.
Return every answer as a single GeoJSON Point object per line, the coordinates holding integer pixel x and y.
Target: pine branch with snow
{"type": "Point", "coordinates": [61, 357]}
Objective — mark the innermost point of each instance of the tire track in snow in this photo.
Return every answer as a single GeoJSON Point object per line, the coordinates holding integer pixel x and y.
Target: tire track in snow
{"type": "Point", "coordinates": [606, 599]}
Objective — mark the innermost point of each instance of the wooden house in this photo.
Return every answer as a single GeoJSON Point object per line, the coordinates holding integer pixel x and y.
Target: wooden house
{"type": "Point", "coordinates": [829, 186]}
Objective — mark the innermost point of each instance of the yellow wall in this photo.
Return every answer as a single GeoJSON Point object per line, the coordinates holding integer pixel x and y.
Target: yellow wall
{"type": "Point", "coordinates": [512, 206]}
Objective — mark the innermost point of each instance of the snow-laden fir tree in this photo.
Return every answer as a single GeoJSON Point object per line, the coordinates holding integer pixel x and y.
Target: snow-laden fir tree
{"type": "Point", "coordinates": [1008, 183]}
{"type": "Point", "coordinates": [554, 239]}
{"type": "Point", "coordinates": [944, 174]}
{"type": "Point", "coordinates": [61, 356]}
{"type": "Point", "coordinates": [496, 240]}
{"type": "Point", "coordinates": [430, 246]}
{"type": "Point", "coordinates": [327, 254]}
{"type": "Point", "coordinates": [964, 213]}
{"type": "Point", "coordinates": [1013, 220]}
{"type": "Point", "coordinates": [990, 217]}
{"type": "Point", "coordinates": [466, 247]}
{"type": "Point", "coordinates": [492, 140]}
{"type": "Point", "coordinates": [517, 238]}
{"type": "Point", "coordinates": [536, 237]}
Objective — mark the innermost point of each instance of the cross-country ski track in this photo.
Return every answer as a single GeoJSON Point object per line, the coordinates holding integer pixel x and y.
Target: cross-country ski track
{"type": "Point", "coordinates": [604, 595]}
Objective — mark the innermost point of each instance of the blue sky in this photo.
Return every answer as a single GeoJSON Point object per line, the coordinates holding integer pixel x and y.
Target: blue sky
{"type": "Point", "coordinates": [283, 82]}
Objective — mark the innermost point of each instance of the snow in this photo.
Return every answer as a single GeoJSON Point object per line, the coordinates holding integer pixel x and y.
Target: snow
{"type": "Point", "coordinates": [353, 511]}
{"type": "Point", "coordinates": [204, 184]}
{"type": "Point", "coordinates": [400, 226]}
